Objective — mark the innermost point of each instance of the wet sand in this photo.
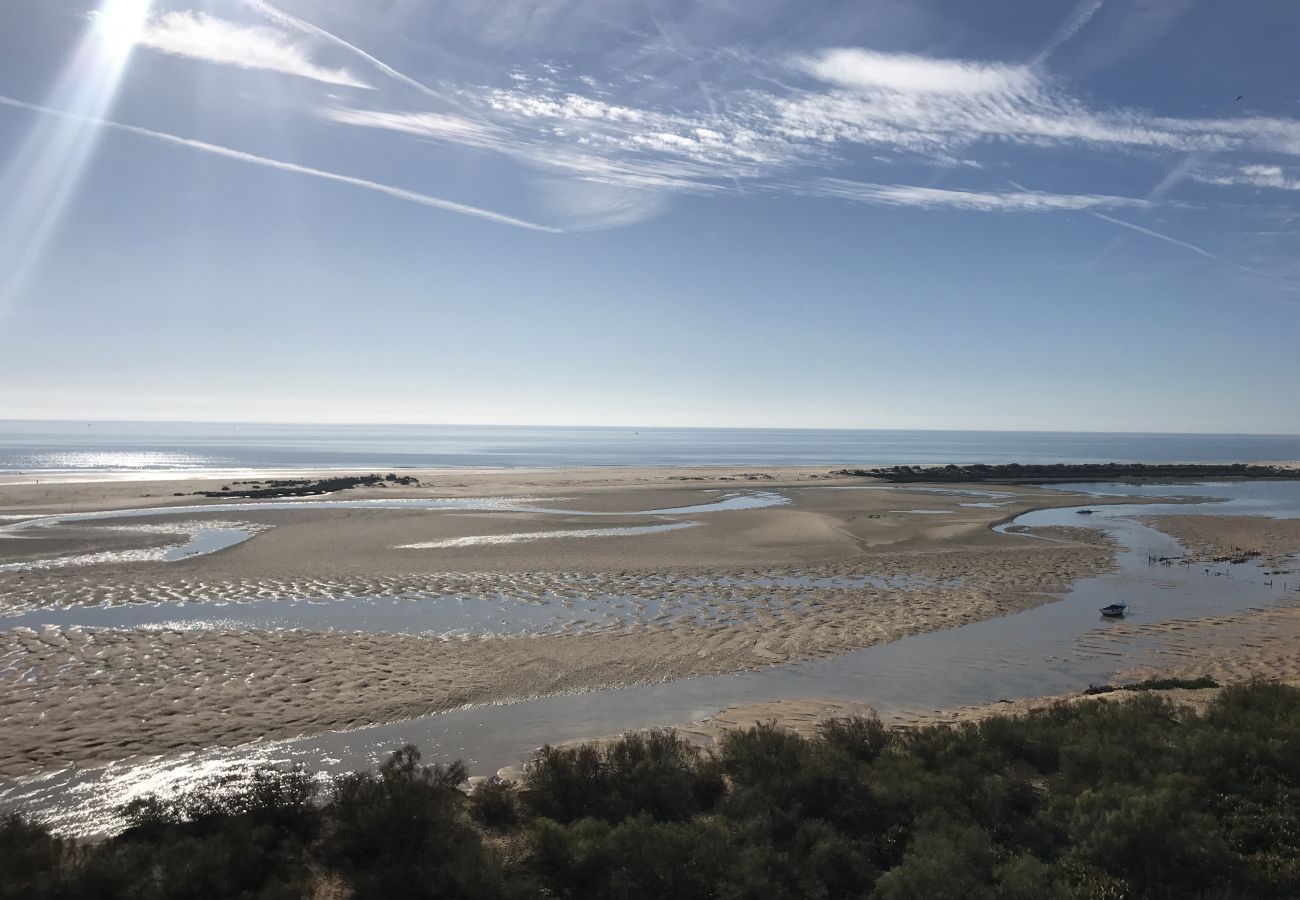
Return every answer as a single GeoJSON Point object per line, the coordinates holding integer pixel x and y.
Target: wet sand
{"type": "Point", "coordinates": [734, 591]}
{"type": "Point", "coordinates": [1231, 649]}
{"type": "Point", "coordinates": [1216, 537]}
{"type": "Point", "coordinates": [82, 695]}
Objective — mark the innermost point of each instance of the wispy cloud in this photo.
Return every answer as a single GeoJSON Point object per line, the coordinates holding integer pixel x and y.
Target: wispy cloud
{"type": "Point", "coordinates": [438, 126]}
{"type": "Point", "coordinates": [1008, 104]}
{"type": "Point", "coordinates": [770, 129]}
{"type": "Point", "coordinates": [583, 204]}
{"type": "Point", "coordinates": [981, 201]}
{"type": "Point", "coordinates": [935, 109]}
{"type": "Point", "coordinates": [280, 165]}
{"type": "Point", "coordinates": [285, 20]}
{"type": "Point", "coordinates": [197, 35]}
{"type": "Point", "coordinates": [1257, 176]}
{"type": "Point", "coordinates": [905, 73]}
{"type": "Point", "coordinates": [790, 123]}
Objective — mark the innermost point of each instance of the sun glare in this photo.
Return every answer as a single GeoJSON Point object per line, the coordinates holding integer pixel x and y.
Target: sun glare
{"type": "Point", "coordinates": [118, 23]}
{"type": "Point", "coordinates": [44, 174]}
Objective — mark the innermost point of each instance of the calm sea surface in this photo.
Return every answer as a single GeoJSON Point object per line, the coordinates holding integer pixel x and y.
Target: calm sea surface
{"type": "Point", "coordinates": [126, 446]}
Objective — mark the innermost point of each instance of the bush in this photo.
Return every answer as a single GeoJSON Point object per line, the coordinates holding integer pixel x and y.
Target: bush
{"type": "Point", "coordinates": [34, 864]}
{"type": "Point", "coordinates": [494, 805]}
{"type": "Point", "coordinates": [658, 773]}
{"type": "Point", "coordinates": [862, 738]}
{"type": "Point", "coordinates": [404, 832]}
{"type": "Point", "coordinates": [1139, 798]}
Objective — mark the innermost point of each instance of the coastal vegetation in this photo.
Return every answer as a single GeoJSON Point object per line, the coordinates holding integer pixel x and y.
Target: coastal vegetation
{"type": "Point", "coordinates": [1138, 797]}
{"type": "Point", "coordinates": [1013, 473]}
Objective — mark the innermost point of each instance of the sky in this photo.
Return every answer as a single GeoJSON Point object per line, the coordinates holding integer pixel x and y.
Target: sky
{"type": "Point", "coordinates": [1076, 215]}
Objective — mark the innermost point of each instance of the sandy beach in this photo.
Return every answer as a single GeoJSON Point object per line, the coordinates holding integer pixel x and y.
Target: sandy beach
{"type": "Point", "coordinates": [643, 579]}
{"type": "Point", "coordinates": [743, 588]}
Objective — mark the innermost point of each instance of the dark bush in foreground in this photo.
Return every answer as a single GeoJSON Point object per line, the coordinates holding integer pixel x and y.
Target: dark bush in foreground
{"type": "Point", "coordinates": [657, 773]}
{"type": "Point", "coordinates": [1129, 799]}
{"type": "Point", "coordinates": [494, 804]}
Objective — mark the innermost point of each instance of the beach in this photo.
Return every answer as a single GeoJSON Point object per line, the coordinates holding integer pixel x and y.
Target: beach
{"type": "Point", "coordinates": [713, 596]}
{"type": "Point", "coordinates": [496, 586]}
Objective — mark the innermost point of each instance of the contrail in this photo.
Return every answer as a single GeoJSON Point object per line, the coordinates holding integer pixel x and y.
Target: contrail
{"type": "Point", "coordinates": [240, 155]}
{"type": "Point", "coordinates": [1175, 176]}
{"type": "Point", "coordinates": [1081, 16]}
{"type": "Point", "coordinates": [280, 17]}
{"type": "Point", "coordinates": [1199, 251]}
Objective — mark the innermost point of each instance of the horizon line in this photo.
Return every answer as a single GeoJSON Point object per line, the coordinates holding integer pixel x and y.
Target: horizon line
{"type": "Point", "coordinates": [577, 426]}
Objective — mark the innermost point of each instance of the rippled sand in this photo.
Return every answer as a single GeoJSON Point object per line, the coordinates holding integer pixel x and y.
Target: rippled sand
{"type": "Point", "coordinates": [1215, 537]}
{"type": "Point", "coordinates": [91, 695]}
{"type": "Point", "coordinates": [829, 571]}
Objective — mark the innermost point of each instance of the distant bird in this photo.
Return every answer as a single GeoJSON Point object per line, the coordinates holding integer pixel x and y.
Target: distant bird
{"type": "Point", "coordinates": [1240, 97]}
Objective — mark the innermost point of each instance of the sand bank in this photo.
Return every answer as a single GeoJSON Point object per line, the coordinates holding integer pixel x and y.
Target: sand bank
{"type": "Point", "coordinates": [82, 695]}
{"type": "Point", "coordinates": [1216, 537]}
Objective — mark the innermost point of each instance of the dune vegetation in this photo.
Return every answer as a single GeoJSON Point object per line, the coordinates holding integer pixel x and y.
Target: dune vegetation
{"type": "Point", "coordinates": [1122, 798]}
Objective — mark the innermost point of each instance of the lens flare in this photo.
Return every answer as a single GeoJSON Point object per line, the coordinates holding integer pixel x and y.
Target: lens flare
{"type": "Point", "coordinates": [43, 175]}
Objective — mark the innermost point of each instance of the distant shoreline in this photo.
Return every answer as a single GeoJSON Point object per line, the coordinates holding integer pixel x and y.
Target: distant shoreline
{"type": "Point", "coordinates": [925, 473]}
{"type": "Point", "coordinates": [199, 448]}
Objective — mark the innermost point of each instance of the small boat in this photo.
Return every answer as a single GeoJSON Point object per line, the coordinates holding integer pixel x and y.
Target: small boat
{"type": "Point", "coordinates": [1085, 512]}
{"type": "Point", "coordinates": [1114, 611]}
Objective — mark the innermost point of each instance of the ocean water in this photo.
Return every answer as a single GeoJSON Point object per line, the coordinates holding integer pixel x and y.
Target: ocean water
{"type": "Point", "coordinates": [153, 446]}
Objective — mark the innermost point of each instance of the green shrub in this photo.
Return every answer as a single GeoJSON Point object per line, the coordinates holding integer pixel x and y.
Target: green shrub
{"type": "Point", "coordinates": [862, 738]}
{"type": "Point", "coordinates": [493, 804]}
{"type": "Point", "coordinates": [658, 773]}
{"type": "Point", "coordinates": [1139, 798]}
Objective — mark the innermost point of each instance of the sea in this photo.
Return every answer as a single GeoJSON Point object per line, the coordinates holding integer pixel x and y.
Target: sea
{"type": "Point", "coordinates": [141, 447]}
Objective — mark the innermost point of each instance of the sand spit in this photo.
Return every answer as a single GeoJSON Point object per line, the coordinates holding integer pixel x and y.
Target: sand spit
{"type": "Point", "coordinates": [1216, 537]}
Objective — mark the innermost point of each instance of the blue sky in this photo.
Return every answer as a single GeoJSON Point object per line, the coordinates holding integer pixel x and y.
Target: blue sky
{"type": "Point", "coordinates": [1038, 215]}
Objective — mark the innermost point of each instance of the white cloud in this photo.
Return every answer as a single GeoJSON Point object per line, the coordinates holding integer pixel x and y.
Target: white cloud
{"type": "Point", "coordinates": [905, 105]}
{"type": "Point", "coordinates": [440, 126]}
{"type": "Point", "coordinates": [1252, 176]}
{"type": "Point", "coordinates": [852, 67]}
{"type": "Point", "coordinates": [197, 35]}
{"type": "Point", "coordinates": [582, 204]}
{"type": "Point", "coordinates": [937, 123]}
{"type": "Point", "coordinates": [982, 201]}
{"type": "Point", "coordinates": [751, 126]}
{"type": "Point", "coordinates": [283, 19]}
